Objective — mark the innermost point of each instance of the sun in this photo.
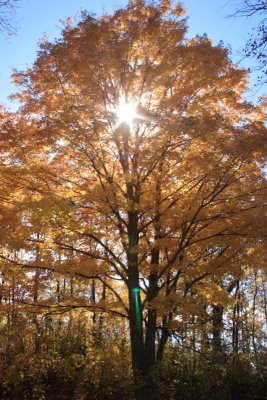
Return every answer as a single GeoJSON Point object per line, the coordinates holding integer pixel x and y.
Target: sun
{"type": "Point", "coordinates": [126, 112]}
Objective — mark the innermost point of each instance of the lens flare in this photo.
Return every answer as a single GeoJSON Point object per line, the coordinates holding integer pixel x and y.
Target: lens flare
{"type": "Point", "coordinates": [136, 292]}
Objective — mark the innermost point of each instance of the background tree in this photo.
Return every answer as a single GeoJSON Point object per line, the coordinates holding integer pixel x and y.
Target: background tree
{"type": "Point", "coordinates": [256, 45]}
{"type": "Point", "coordinates": [7, 13]}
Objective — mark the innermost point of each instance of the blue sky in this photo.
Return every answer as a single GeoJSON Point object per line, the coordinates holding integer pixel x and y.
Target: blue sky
{"type": "Point", "coordinates": [36, 18]}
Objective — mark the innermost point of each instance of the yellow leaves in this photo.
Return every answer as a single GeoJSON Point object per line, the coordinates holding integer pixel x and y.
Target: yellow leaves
{"type": "Point", "coordinates": [41, 264]}
{"type": "Point", "coordinates": [84, 266]}
{"type": "Point", "coordinates": [92, 266]}
{"type": "Point", "coordinates": [165, 243]}
{"type": "Point", "coordinates": [165, 304]}
{"type": "Point", "coordinates": [178, 10]}
{"type": "Point", "coordinates": [213, 293]}
{"type": "Point", "coordinates": [87, 266]}
{"type": "Point", "coordinates": [175, 325]}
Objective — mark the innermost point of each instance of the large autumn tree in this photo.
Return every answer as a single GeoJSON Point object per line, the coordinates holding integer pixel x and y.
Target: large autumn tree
{"type": "Point", "coordinates": [138, 165]}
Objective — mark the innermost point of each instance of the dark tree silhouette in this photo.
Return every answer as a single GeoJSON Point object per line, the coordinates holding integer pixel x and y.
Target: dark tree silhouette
{"type": "Point", "coordinates": [7, 13]}
{"type": "Point", "coordinates": [256, 44]}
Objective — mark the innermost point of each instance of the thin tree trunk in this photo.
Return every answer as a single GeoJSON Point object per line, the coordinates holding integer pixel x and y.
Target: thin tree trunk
{"type": "Point", "coordinates": [235, 331]}
{"type": "Point", "coordinates": [217, 327]}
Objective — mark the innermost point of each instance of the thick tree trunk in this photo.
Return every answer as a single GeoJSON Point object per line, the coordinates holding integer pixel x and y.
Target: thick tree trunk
{"type": "Point", "coordinates": [139, 363]}
{"type": "Point", "coordinates": [143, 352]}
{"type": "Point", "coordinates": [142, 360]}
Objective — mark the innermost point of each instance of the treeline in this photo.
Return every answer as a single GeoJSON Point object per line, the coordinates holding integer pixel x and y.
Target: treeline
{"type": "Point", "coordinates": [68, 353]}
